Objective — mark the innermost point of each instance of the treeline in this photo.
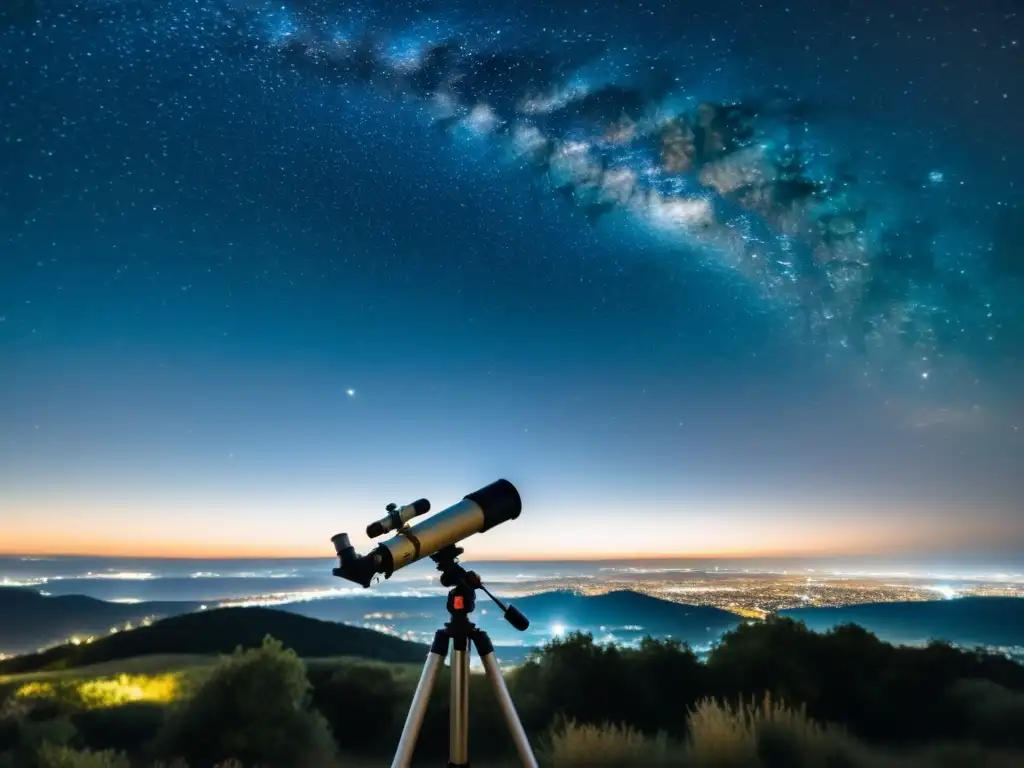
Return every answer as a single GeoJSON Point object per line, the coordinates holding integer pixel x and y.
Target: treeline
{"type": "Point", "coordinates": [581, 701]}
{"type": "Point", "coordinates": [882, 693]}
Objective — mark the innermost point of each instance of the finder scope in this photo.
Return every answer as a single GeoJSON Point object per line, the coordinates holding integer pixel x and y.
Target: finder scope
{"type": "Point", "coordinates": [477, 512]}
{"type": "Point", "coordinates": [397, 518]}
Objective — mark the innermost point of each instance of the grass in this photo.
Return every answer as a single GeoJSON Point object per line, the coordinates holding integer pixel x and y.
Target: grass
{"type": "Point", "coordinates": [166, 663]}
{"type": "Point", "coordinates": [611, 746]}
{"type": "Point", "coordinates": [752, 735]}
{"type": "Point", "coordinates": [157, 679]}
{"type": "Point", "coordinates": [770, 733]}
{"type": "Point", "coordinates": [141, 665]}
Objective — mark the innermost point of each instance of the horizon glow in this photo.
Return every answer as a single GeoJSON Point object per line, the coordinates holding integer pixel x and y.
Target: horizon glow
{"type": "Point", "coordinates": [727, 532]}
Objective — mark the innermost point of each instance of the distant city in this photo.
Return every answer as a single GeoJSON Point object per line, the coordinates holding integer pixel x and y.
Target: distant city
{"type": "Point", "coordinates": [751, 595]}
{"type": "Point", "coordinates": [758, 595]}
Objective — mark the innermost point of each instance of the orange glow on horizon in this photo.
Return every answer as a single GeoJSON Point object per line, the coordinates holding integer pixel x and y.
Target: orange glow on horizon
{"type": "Point", "coordinates": [233, 528]}
{"type": "Point", "coordinates": [149, 549]}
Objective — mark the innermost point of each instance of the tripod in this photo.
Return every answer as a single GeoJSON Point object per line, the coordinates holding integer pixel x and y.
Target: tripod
{"type": "Point", "coordinates": [460, 631]}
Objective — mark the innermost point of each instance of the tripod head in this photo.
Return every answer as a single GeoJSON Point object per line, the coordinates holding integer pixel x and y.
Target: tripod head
{"type": "Point", "coordinates": [463, 584]}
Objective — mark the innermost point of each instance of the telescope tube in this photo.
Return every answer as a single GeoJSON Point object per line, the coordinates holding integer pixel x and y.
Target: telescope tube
{"type": "Point", "coordinates": [477, 512]}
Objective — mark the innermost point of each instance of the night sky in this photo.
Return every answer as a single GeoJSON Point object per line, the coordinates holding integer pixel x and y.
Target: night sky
{"type": "Point", "coordinates": [698, 278]}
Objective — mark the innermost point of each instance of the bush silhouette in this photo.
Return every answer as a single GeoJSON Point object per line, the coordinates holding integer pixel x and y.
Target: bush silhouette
{"type": "Point", "coordinates": [882, 692]}
{"type": "Point", "coordinates": [255, 706]}
{"type": "Point", "coordinates": [681, 680]}
{"type": "Point", "coordinates": [359, 702]}
{"type": "Point", "coordinates": [31, 734]}
{"type": "Point", "coordinates": [127, 727]}
{"type": "Point", "coordinates": [650, 687]}
{"type": "Point", "coordinates": [992, 713]}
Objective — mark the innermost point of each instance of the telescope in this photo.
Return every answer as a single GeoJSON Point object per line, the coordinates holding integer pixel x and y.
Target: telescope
{"type": "Point", "coordinates": [477, 512]}
{"type": "Point", "coordinates": [438, 538]}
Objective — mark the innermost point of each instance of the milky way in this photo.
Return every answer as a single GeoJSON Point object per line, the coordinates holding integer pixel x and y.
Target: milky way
{"type": "Point", "coordinates": [742, 182]}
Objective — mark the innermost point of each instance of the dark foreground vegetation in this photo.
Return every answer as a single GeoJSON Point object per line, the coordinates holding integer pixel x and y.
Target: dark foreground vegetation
{"type": "Point", "coordinates": [771, 694]}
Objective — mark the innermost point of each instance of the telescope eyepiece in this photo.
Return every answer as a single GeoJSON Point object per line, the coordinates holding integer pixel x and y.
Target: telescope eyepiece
{"type": "Point", "coordinates": [344, 549]}
{"type": "Point", "coordinates": [352, 566]}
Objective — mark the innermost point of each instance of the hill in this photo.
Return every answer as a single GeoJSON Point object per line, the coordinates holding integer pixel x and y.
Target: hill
{"type": "Point", "coordinates": [33, 620]}
{"type": "Point", "coordinates": [624, 608]}
{"type": "Point", "coordinates": [624, 614]}
{"type": "Point", "coordinates": [967, 621]}
{"type": "Point", "coordinates": [221, 631]}
{"type": "Point", "coordinates": [42, 621]}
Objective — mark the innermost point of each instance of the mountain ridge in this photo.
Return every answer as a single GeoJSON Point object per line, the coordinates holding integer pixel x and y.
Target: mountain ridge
{"type": "Point", "coordinates": [965, 621]}
{"type": "Point", "coordinates": [45, 620]}
{"type": "Point", "coordinates": [628, 614]}
{"type": "Point", "coordinates": [220, 631]}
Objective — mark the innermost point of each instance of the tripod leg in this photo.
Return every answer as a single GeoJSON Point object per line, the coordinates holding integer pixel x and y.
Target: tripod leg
{"type": "Point", "coordinates": [486, 650]}
{"type": "Point", "coordinates": [420, 699]}
{"type": "Point", "coordinates": [458, 745]}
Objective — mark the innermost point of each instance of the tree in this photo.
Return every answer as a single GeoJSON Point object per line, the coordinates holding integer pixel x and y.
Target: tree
{"type": "Point", "coordinates": [649, 688]}
{"type": "Point", "coordinates": [256, 706]}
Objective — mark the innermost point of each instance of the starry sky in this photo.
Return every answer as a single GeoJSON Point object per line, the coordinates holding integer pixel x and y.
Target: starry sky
{"type": "Point", "coordinates": [700, 279]}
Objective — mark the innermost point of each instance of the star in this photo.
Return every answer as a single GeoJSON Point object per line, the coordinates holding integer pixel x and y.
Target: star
{"type": "Point", "coordinates": [350, 392]}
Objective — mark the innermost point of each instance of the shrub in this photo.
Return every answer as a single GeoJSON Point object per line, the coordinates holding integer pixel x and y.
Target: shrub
{"type": "Point", "coordinates": [129, 727]}
{"type": "Point", "coordinates": [992, 714]}
{"type": "Point", "coordinates": [9, 731]}
{"type": "Point", "coordinates": [881, 692]}
{"type": "Point", "coordinates": [964, 755]}
{"type": "Point", "coordinates": [360, 703]}
{"type": "Point", "coordinates": [255, 706]}
{"type": "Point", "coordinates": [650, 688]}
{"type": "Point", "coordinates": [6, 694]}
{"type": "Point", "coordinates": [665, 678]}
{"type": "Point", "coordinates": [30, 736]}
